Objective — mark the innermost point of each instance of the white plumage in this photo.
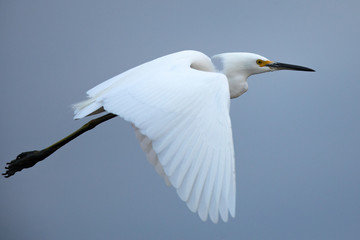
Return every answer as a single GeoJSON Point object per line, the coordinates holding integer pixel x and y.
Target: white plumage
{"type": "Point", "coordinates": [179, 107]}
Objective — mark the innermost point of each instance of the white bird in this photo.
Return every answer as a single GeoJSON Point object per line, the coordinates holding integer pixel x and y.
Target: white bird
{"type": "Point", "coordinates": [179, 107]}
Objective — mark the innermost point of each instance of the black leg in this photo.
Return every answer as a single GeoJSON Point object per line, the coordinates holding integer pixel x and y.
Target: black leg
{"type": "Point", "coordinates": [29, 159]}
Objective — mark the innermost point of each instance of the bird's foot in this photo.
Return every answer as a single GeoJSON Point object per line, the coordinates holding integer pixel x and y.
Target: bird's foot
{"type": "Point", "coordinates": [23, 160]}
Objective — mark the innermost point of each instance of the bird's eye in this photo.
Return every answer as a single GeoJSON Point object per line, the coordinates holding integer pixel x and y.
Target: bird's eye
{"type": "Point", "coordinates": [259, 61]}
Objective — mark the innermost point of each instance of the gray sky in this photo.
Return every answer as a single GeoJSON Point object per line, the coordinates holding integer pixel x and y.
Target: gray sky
{"type": "Point", "coordinates": [296, 134]}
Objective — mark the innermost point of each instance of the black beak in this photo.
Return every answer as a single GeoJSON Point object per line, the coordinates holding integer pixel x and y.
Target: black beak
{"type": "Point", "coordinates": [285, 66]}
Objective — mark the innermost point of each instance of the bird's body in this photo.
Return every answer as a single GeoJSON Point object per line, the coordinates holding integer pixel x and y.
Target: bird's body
{"type": "Point", "coordinates": [179, 107]}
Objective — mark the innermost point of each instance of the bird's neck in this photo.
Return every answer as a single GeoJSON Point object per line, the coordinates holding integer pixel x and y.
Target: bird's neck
{"type": "Point", "coordinates": [237, 85]}
{"type": "Point", "coordinates": [236, 74]}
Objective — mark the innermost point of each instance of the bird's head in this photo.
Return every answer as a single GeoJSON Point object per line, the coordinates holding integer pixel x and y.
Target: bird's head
{"type": "Point", "coordinates": [246, 64]}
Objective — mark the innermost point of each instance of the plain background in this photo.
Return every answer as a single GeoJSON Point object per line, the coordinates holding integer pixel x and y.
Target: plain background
{"type": "Point", "coordinates": [296, 134]}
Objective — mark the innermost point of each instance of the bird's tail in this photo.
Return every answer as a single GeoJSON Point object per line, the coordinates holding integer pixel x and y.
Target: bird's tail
{"type": "Point", "coordinates": [86, 108]}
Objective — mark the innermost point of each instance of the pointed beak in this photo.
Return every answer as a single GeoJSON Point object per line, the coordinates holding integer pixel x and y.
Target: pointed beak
{"type": "Point", "coordinates": [285, 66]}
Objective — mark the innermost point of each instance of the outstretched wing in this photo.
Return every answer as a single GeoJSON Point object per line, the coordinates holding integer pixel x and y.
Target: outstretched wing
{"type": "Point", "coordinates": [180, 111]}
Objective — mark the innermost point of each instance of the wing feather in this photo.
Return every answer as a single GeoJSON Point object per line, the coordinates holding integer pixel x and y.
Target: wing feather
{"type": "Point", "coordinates": [226, 187]}
{"type": "Point", "coordinates": [209, 188]}
{"type": "Point", "coordinates": [180, 172]}
{"type": "Point", "coordinates": [198, 185]}
{"type": "Point", "coordinates": [218, 183]}
{"type": "Point", "coordinates": [181, 145]}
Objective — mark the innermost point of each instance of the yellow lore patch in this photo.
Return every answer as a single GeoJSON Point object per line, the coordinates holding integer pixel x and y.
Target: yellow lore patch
{"type": "Point", "coordinates": [263, 63]}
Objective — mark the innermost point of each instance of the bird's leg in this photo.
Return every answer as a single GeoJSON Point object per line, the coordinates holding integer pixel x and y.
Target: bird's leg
{"type": "Point", "coordinates": [29, 159]}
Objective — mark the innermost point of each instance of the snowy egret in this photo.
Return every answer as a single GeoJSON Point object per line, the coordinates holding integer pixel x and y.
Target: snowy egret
{"type": "Point", "coordinates": [179, 107]}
